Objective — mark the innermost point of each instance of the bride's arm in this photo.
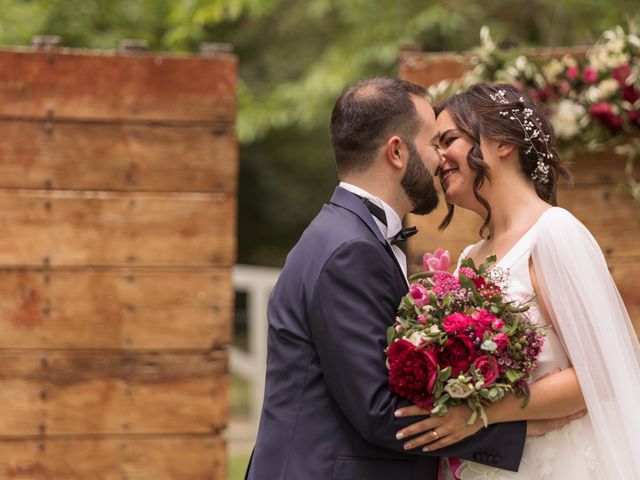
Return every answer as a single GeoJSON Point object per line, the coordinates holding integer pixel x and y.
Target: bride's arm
{"type": "Point", "coordinates": [553, 396]}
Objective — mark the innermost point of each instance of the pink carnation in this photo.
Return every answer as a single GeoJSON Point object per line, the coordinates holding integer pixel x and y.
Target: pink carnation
{"type": "Point", "coordinates": [456, 322]}
{"type": "Point", "coordinates": [482, 322]}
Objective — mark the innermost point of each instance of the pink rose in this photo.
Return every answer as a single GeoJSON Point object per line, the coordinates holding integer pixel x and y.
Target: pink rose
{"type": "Point", "coordinates": [497, 324]}
{"type": "Point", "coordinates": [488, 368]}
{"type": "Point", "coordinates": [572, 72]}
{"type": "Point", "coordinates": [437, 261]}
{"type": "Point", "coordinates": [590, 75]}
{"type": "Point", "coordinates": [422, 319]}
{"type": "Point", "coordinates": [455, 323]}
{"type": "Point", "coordinates": [502, 340]}
{"type": "Point", "coordinates": [419, 294]}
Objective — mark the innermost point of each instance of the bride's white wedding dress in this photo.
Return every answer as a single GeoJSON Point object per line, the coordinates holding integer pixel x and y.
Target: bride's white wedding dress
{"type": "Point", "coordinates": [594, 334]}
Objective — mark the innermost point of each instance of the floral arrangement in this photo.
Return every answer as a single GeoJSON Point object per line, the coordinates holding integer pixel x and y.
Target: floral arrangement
{"type": "Point", "coordinates": [592, 100]}
{"type": "Point", "coordinates": [458, 339]}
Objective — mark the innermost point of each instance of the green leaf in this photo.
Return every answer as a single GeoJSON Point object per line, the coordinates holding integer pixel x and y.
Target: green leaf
{"type": "Point", "coordinates": [473, 417]}
{"type": "Point", "coordinates": [444, 375]}
{"type": "Point", "coordinates": [513, 375]}
{"type": "Point", "coordinates": [391, 333]}
{"type": "Point", "coordinates": [483, 415]}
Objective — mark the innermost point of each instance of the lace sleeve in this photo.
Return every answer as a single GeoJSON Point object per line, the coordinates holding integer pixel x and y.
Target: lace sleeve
{"type": "Point", "coordinates": [592, 321]}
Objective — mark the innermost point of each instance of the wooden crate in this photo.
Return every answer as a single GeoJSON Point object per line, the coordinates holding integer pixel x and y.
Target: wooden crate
{"type": "Point", "coordinates": [611, 215]}
{"type": "Point", "coordinates": [118, 181]}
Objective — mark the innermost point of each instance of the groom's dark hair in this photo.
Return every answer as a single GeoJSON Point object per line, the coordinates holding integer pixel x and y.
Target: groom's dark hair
{"type": "Point", "coordinates": [366, 115]}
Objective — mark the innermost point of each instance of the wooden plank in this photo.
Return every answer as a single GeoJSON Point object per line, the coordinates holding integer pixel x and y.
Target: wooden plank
{"type": "Point", "coordinates": [107, 392]}
{"type": "Point", "coordinates": [598, 168]}
{"type": "Point", "coordinates": [61, 229]}
{"type": "Point", "coordinates": [611, 216]}
{"type": "Point", "coordinates": [75, 84]}
{"type": "Point", "coordinates": [90, 156]}
{"type": "Point", "coordinates": [130, 458]}
{"type": "Point", "coordinates": [116, 309]}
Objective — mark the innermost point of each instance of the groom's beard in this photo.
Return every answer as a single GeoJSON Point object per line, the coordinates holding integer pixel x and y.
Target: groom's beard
{"type": "Point", "coordinates": [418, 184]}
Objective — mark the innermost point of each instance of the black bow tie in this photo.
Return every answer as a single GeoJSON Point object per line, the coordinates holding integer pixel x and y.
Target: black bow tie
{"type": "Point", "coordinates": [378, 212]}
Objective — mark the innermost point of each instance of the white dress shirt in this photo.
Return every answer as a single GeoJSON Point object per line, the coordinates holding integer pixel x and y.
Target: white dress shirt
{"type": "Point", "coordinates": [391, 229]}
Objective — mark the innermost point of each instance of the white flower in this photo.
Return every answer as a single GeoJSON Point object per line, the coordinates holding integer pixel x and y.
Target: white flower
{"type": "Point", "coordinates": [434, 329]}
{"type": "Point", "coordinates": [602, 91]}
{"type": "Point", "coordinates": [552, 70]}
{"type": "Point", "coordinates": [458, 389]}
{"type": "Point", "coordinates": [418, 338]}
{"type": "Point", "coordinates": [568, 119]}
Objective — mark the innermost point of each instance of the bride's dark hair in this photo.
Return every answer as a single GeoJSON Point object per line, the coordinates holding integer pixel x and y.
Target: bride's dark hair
{"type": "Point", "coordinates": [479, 112]}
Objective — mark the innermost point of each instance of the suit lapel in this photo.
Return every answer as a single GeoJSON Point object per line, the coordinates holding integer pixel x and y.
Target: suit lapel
{"type": "Point", "coordinates": [345, 199]}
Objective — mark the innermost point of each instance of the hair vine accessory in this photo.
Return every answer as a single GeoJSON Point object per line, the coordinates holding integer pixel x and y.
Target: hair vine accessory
{"type": "Point", "coordinates": [532, 132]}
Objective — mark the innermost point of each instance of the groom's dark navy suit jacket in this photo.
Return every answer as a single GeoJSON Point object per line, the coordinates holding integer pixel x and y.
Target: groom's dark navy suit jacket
{"type": "Point", "coordinates": [327, 412]}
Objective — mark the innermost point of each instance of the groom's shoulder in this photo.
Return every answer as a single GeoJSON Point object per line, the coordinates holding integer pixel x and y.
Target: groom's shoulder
{"type": "Point", "coordinates": [332, 229]}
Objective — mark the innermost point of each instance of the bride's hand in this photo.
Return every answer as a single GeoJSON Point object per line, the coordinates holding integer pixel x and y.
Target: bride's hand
{"type": "Point", "coordinates": [535, 428]}
{"type": "Point", "coordinates": [437, 432]}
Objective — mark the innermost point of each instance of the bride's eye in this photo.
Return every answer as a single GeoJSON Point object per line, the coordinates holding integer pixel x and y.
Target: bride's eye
{"type": "Point", "coordinates": [449, 140]}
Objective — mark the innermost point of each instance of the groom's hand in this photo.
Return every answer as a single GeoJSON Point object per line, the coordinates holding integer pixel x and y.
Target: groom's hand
{"type": "Point", "coordinates": [436, 432]}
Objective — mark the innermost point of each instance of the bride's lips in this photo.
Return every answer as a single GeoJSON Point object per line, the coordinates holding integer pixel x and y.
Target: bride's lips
{"type": "Point", "coordinates": [446, 173]}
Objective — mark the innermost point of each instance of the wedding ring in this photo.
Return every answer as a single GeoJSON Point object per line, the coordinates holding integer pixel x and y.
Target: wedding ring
{"type": "Point", "coordinates": [435, 434]}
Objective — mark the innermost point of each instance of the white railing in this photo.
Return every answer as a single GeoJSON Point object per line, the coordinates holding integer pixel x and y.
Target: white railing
{"type": "Point", "coordinates": [257, 283]}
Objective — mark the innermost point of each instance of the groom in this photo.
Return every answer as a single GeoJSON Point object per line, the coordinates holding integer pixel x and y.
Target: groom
{"type": "Point", "coordinates": [327, 412]}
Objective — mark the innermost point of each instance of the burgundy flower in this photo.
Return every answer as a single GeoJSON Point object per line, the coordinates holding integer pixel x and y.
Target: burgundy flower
{"type": "Point", "coordinates": [604, 113]}
{"type": "Point", "coordinates": [412, 372]}
{"type": "Point", "coordinates": [458, 353]}
{"type": "Point", "coordinates": [621, 73]}
{"type": "Point", "coordinates": [488, 368]}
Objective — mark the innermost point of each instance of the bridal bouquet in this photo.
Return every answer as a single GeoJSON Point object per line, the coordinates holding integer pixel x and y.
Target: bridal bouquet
{"type": "Point", "coordinates": [459, 339]}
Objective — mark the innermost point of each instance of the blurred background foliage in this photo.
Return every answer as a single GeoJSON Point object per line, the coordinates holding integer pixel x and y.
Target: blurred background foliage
{"type": "Point", "coordinates": [295, 57]}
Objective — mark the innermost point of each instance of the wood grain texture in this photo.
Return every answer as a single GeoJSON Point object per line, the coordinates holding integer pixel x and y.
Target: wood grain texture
{"type": "Point", "coordinates": [75, 84]}
{"type": "Point", "coordinates": [118, 458]}
{"type": "Point", "coordinates": [111, 392]}
{"type": "Point", "coordinates": [116, 309]}
{"type": "Point", "coordinates": [88, 229]}
{"type": "Point", "coordinates": [114, 156]}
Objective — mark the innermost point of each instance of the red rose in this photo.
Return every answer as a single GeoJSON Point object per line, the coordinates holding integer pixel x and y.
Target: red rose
{"type": "Point", "coordinates": [458, 353]}
{"type": "Point", "coordinates": [412, 372]}
{"type": "Point", "coordinates": [488, 368]}
{"type": "Point", "coordinates": [621, 74]}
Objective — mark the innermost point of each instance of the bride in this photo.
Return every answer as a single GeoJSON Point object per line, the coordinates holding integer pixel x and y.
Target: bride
{"type": "Point", "coordinates": [498, 160]}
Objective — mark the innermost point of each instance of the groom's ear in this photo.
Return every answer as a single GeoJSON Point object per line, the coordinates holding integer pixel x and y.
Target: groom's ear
{"type": "Point", "coordinates": [394, 152]}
